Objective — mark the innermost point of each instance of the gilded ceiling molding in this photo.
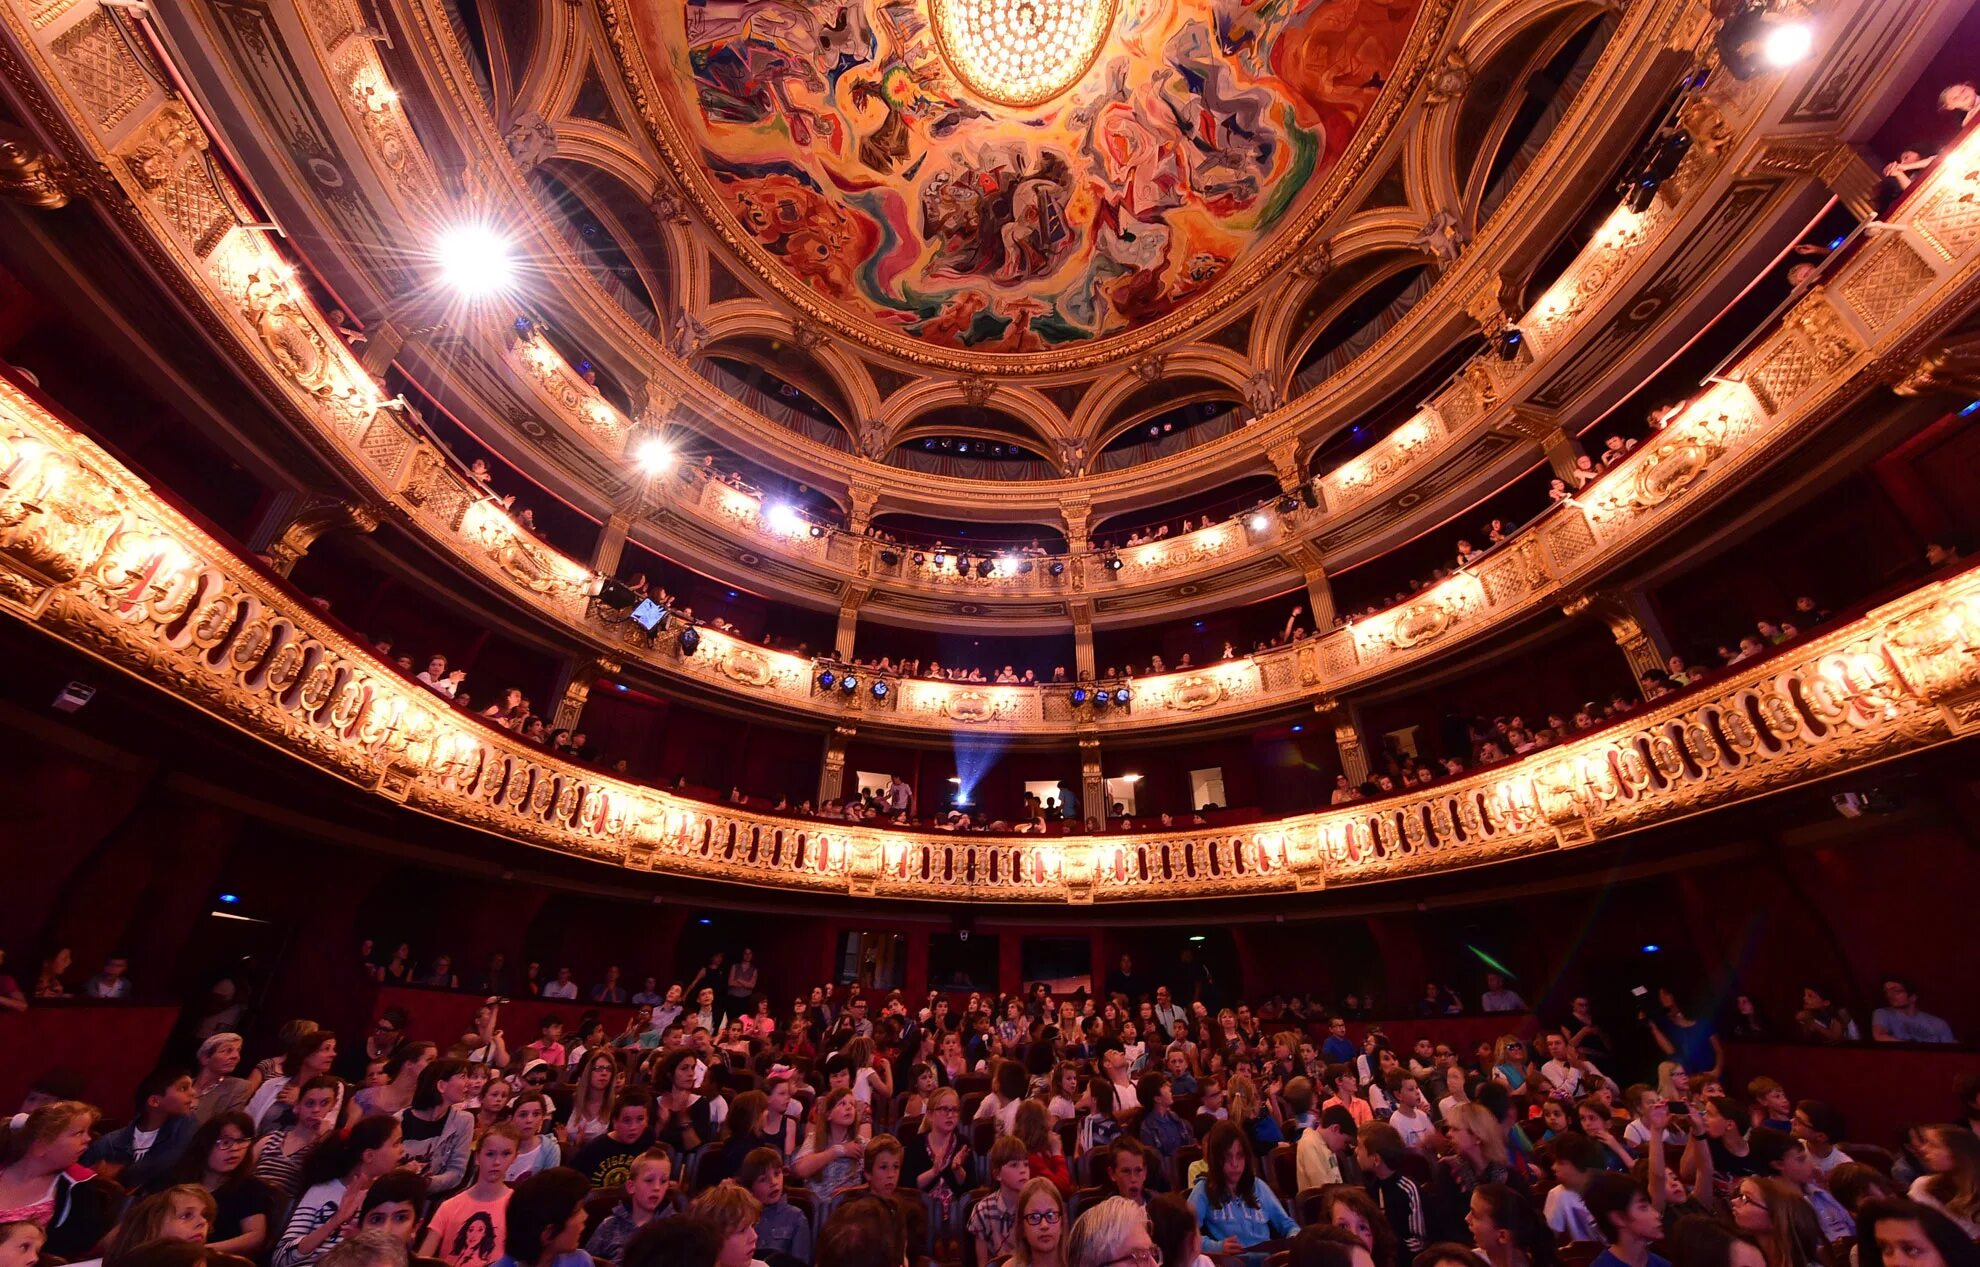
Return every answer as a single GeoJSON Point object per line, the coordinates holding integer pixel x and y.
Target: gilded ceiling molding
{"type": "Point", "coordinates": [92, 557]}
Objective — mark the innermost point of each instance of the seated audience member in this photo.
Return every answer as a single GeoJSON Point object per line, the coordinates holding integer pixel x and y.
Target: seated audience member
{"type": "Point", "coordinates": [148, 1147]}
{"type": "Point", "coordinates": [1505, 1229]}
{"type": "Point", "coordinates": [1626, 1219]}
{"type": "Point", "coordinates": [1907, 1234]}
{"type": "Point", "coordinates": [466, 1231]}
{"type": "Point", "coordinates": [219, 1159]}
{"type": "Point", "coordinates": [828, 1160]}
{"type": "Point", "coordinates": [392, 1205]}
{"type": "Point", "coordinates": [1233, 1207]}
{"type": "Point", "coordinates": [733, 1212]}
{"type": "Point", "coordinates": [279, 1156]}
{"type": "Point", "coordinates": [1902, 1021]}
{"type": "Point", "coordinates": [20, 1243]}
{"type": "Point", "coordinates": [1324, 1151]}
{"type": "Point", "coordinates": [1161, 1129]}
{"type": "Point", "coordinates": [1379, 1150]}
{"type": "Point", "coordinates": [1128, 1164]}
{"type": "Point", "coordinates": [1787, 1159]}
{"type": "Point", "coordinates": [607, 1161]}
{"type": "Point", "coordinates": [1324, 1245]}
{"type": "Point", "coordinates": [536, 1147]}
{"type": "Point", "coordinates": [1478, 1150]}
{"type": "Point", "coordinates": [546, 1223]}
{"type": "Point", "coordinates": [674, 1243]}
{"type": "Point", "coordinates": [215, 1087]}
{"type": "Point", "coordinates": [1043, 1149]}
{"type": "Point", "coordinates": [1350, 1208]}
{"type": "Point", "coordinates": [181, 1213]}
{"type": "Point", "coordinates": [1774, 1213]}
{"type": "Point", "coordinates": [647, 1191]}
{"type": "Point", "coordinates": [882, 1169]}
{"type": "Point", "coordinates": [1110, 1234]}
{"type": "Point", "coordinates": [992, 1220]}
{"type": "Point", "coordinates": [312, 1055]}
{"type": "Point", "coordinates": [1410, 1116]}
{"type": "Point", "coordinates": [368, 1249]}
{"type": "Point", "coordinates": [438, 1131]}
{"type": "Point", "coordinates": [863, 1232]}
{"type": "Point", "coordinates": [1042, 1226]}
{"type": "Point", "coordinates": [1819, 1125]}
{"type": "Point", "coordinates": [337, 1175]}
{"type": "Point", "coordinates": [1577, 1159]}
{"type": "Point", "coordinates": [783, 1233]}
{"type": "Point", "coordinates": [1951, 1182]}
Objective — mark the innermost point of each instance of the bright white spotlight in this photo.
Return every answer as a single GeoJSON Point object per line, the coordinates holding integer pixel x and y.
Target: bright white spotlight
{"type": "Point", "coordinates": [1260, 521]}
{"type": "Point", "coordinates": [1007, 564]}
{"type": "Point", "coordinates": [475, 260]}
{"type": "Point", "coordinates": [783, 518]}
{"type": "Point", "coordinates": [654, 455]}
{"type": "Point", "coordinates": [1787, 44]}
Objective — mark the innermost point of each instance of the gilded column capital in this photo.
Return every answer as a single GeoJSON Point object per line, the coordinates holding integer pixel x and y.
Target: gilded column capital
{"type": "Point", "coordinates": [295, 521]}
{"type": "Point", "coordinates": [1949, 368]}
{"type": "Point", "coordinates": [1284, 457]}
{"type": "Point", "coordinates": [1493, 304]}
{"type": "Point", "coordinates": [864, 497]}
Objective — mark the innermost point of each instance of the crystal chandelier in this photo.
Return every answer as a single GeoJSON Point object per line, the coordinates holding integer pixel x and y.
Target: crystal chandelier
{"type": "Point", "coordinates": [1021, 52]}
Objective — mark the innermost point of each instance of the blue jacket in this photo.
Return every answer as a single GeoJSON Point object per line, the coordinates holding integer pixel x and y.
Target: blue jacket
{"type": "Point", "coordinates": [1250, 1224]}
{"type": "Point", "coordinates": [118, 1147]}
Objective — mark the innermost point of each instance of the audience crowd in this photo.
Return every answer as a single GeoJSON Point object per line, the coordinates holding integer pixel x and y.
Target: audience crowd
{"type": "Point", "coordinates": [1149, 1123]}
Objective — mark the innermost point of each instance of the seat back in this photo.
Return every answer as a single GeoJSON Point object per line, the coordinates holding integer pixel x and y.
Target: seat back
{"type": "Point", "coordinates": [1281, 1170]}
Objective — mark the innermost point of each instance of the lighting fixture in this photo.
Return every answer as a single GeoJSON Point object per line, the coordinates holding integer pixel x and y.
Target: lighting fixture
{"type": "Point", "coordinates": [654, 455]}
{"type": "Point", "coordinates": [1260, 521]}
{"type": "Point", "coordinates": [1787, 44]}
{"type": "Point", "coordinates": [1121, 695]}
{"type": "Point", "coordinates": [849, 683]}
{"type": "Point", "coordinates": [783, 518]}
{"type": "Point", "coordinates": [1196, 936]}
{"type": "Point", "coordinates": [817, 530]}
{"type": "Point", "coordinates": [1058, 567]}
{"type": "Point", "coordinates": [1651, 948]}
{"type": "Point", "coordinates": [827, 679]}
{"type": "Point", "coordinates": [880, 690]}
{"type": "Point", "coordinates": [690, 639]}
{"type": "Point", "coordinates": [1113, 563]}
{"type": "Point", "coordinates": [1078, 696]}
{"type": "Point", "coordinates": [1021, 52]}
{"type": "Point", "coordinates": [475, 260]}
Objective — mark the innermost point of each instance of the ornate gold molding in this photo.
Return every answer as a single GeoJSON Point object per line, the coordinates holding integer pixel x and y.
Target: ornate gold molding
{"type": "Point", "coordinates": [89, 555]}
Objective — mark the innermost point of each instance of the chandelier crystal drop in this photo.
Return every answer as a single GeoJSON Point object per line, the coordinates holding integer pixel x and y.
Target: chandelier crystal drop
{"type": "Point", "coordinates": [1021, 52]}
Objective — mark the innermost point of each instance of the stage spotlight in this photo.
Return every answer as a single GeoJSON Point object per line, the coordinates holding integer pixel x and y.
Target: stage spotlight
{"type": "Point", "coordinates": [1509, 342]}
{"type": "Point", "coordinates": [1121, 695]}
{"type": "Point", "coordinates": [1058, 567]}
{"type": "Point", "coordinates": [1101, 698]}
{"type": "Point", "coordinates": [1288, 504]}
{"type": "Point", "coordinates": [1024, 567]}
{"type": "Point", "coordinates": [783, 517]}
{"type": "Point", "coordinates": [1078, 696]}
{"type": "Point", "coordinates": [1260, 521]}
{"type": "Point", "coordinates": [891, 558]}
{"type": "Point", "coordinates": [879, 690]}
{"type": "Point", "coordinates": [653, 455]}
{"type": "Point", "coordinates": [690, 639]}
{"type": "Point", "coordinates": [475, 260]}
{"type": "Point", "coordinates": [827, 679]}
{"type": "Point", "coordinates": [849, 683]}
{"type": "Point", "coordinates": [817, 530]}
{"type": "Point", "coordinates": [920, 558]}
{"type": "Point", "coordinates": [984, 567]}
{"type": "Point", "coordinates": [1113, 563]}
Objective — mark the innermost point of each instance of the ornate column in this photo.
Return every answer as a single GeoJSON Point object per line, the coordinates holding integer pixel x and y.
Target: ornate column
{"type": "Point", "coordinates": [832, 777]}
{"type": "Point", "coordinates": [611, 545]}
{"type": "Point", "coordinates": [1347, 736]}
{"type": "Point", "coordinates": [1634, 623]}
{"type": "Point", "coordinates": [863, 497]}
{"type": "Point", "coordinates": [849, 605]}
{"type": "Point", "coordinates": [1076, 513]}
{"type": "Point", "coordinates": [1319, 591]}
{"type": "Point", "coordinates": [1284, 457]}
{"type": "Point", "coordinates": [1082, 615]}
{"type": "Point", "coordinates": [573, 688]}
{"type": "Point", "coordinates": [293, 521]}
{"type": "Point", "coordinates": [1092, 781]}
{"type": "Point", "coordinates": [1543, 427]}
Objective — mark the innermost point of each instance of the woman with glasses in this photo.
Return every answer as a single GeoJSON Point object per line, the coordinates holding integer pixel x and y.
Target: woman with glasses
{"type": "Point", "coordinates": [1041, 1230]}
{"type": "Point", "coordinates": [1114, 1233]}
{"type": "Point", "coordinates": [220, 1159]}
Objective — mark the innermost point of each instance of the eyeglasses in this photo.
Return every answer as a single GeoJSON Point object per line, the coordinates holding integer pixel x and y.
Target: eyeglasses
{"type": "Point", "coordinates": [1040, 1218]}
{"type": "Point", "coordinates": [1150, 1257]}
{"type": "Point", "coordinates": [232, 1141]}
{"type": "Point", "coordinates": [1743, 1197]}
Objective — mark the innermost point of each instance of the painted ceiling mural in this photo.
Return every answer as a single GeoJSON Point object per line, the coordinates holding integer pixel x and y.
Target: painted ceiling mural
{"type": "Point", "coordinates": [845, 146]}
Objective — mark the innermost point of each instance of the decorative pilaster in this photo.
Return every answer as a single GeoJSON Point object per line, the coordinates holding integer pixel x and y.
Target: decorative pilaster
{"type": "Point", "coordinates": [294, 520]}
{"type": "Point", "coordinates": [574, 681]}
{"type": "Point", "coordinates": [1284, 457]}
{"type": "Point", "coordinates": [611, 545]}
{"type": "Point", "coordinates": [1347, 737]}
{"type": "Point", "coordinates": [863, 497]}
{"type": "Point", "coordinates": [832, 776]}
{"type": "Point", "coordinates": [1076, 513]}
{"type": "Point", "coordinates": [848, 629]}
{"type": "Point", "coordinates": [1319, 591]}
{"type": "Point", "coordinates": [1092, 782]}
{"type": "Point", "coordinates": [383, 341]}
{"type": "Point", "coordinates": [1634, 624]}
{"type": "Point", "coordinates": [1082, 615]}
{"type": "Point", "coordinates": [1543, 427]}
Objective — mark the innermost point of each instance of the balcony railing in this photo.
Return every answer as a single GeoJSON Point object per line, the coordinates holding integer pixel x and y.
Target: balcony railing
{"type": "Point", "coordinates": [90, 555]}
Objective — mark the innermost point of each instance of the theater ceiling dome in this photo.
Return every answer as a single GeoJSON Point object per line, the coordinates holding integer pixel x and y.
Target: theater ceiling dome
{"type": "Point", "coordinates": [1010, 176]}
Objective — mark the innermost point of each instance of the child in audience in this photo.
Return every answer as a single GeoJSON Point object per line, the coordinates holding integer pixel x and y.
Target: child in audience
{"type": "Point", "coordinates": [783, 1234]}
{"type": "Point", "coordinates": [466, 1231]}
{"type": "Point", "coordinates": [1577, 1159]}
{"type": "Point", "coordinates": [993, 1217]}
{"type": "Point", "coordinates": [148, 1147]}
{"type": "Point", "coordinates": [1233, 1208]}
{"type": "Point", "coordinates": [647, 1189]}
{"type": "Point", "coordinates": [536, 1149]}
{"type": "Point", "coordinates": [733, 1212]}
{"type": "Point", "coordinates": [1626, 1219]}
